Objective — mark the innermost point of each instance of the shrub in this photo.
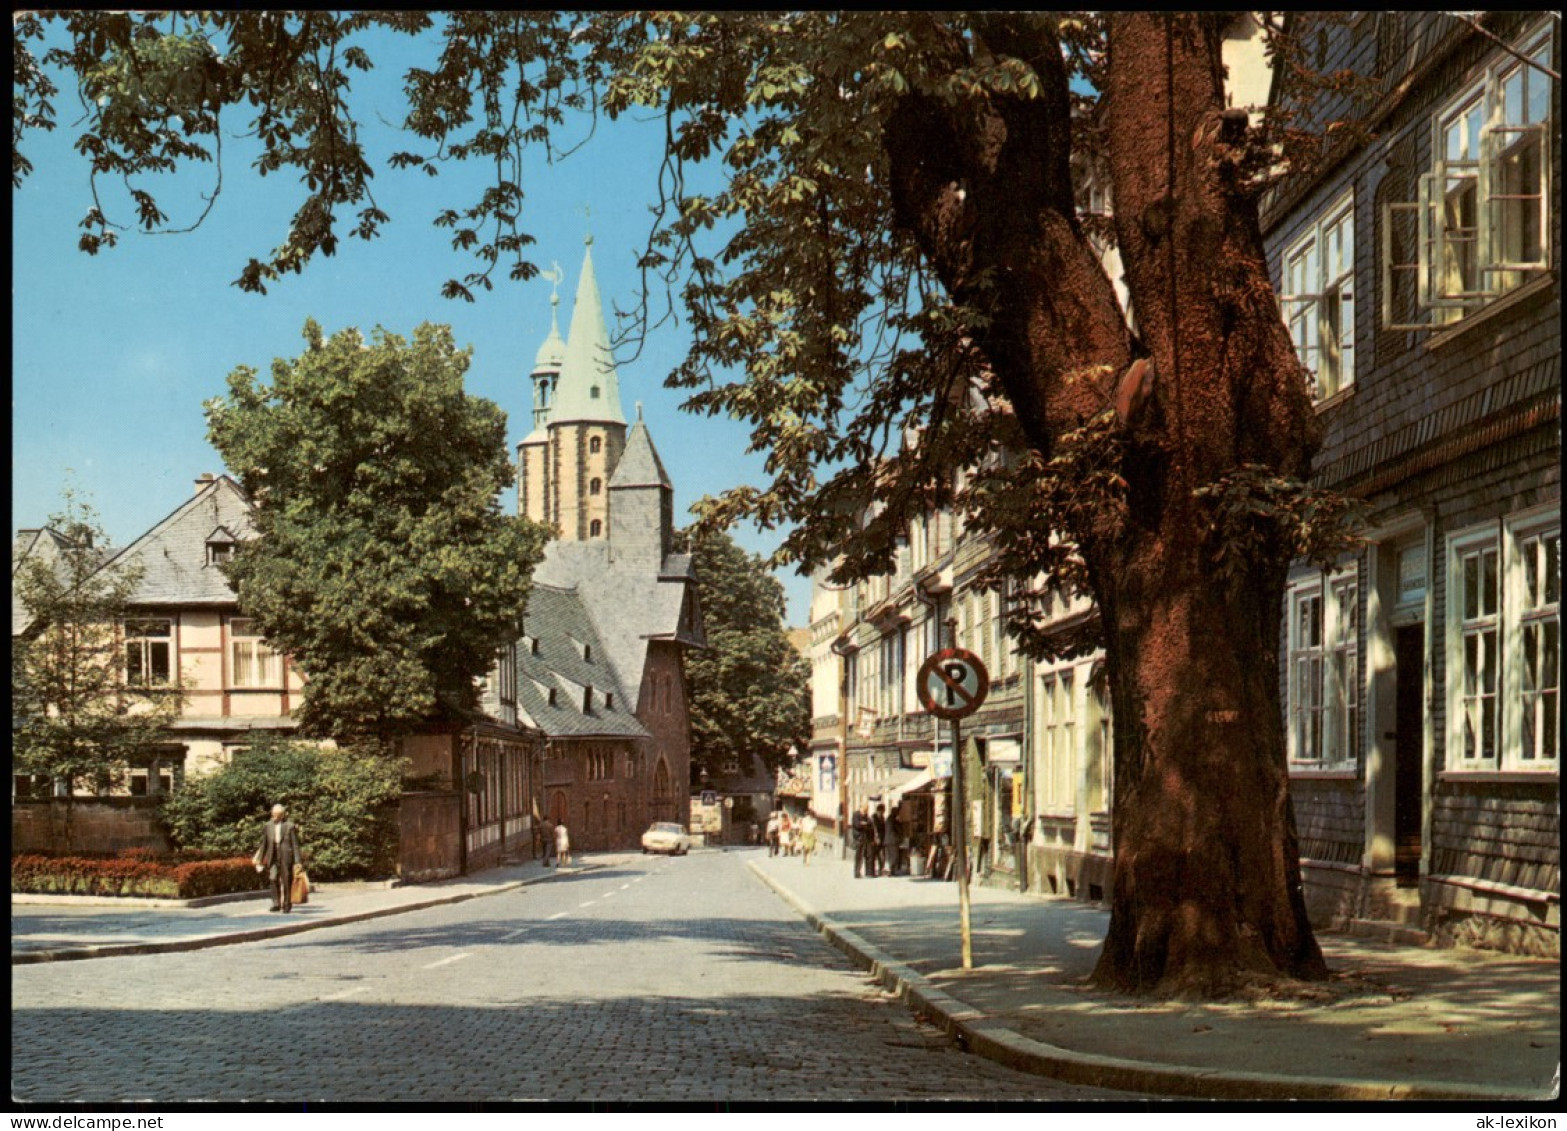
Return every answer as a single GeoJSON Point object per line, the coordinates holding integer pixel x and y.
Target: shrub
{"type": "Point", "coordinates": [216, 877]}
{"type": "Point", "coordinates": [130, 874]}
{"type": "Point", "coordinates": [343, 802]}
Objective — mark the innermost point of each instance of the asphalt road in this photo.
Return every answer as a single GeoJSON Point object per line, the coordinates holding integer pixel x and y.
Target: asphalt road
{"type": "Point", "coordinates": [647, 980]}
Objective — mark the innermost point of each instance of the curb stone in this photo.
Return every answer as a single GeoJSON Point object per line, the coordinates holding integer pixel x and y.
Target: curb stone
{"type": "Point", "coordinates": [990, 1037]}
{"type": "Point", "coordinates": [230, 938]}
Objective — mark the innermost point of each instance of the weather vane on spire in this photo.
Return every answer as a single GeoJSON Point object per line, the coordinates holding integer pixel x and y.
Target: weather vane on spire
{"type": "Point", "coordinates": [556, 277]}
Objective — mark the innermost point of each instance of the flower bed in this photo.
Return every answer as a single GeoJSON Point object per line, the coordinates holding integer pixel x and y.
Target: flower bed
{"type": "Point", "coordinates": [132, 874]}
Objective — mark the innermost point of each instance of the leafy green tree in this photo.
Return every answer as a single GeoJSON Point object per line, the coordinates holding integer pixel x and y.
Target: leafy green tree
{"type": "Point", "coordinates": [894, 227]}
{"type": "Point", "coordinates": [750, 688]}
{"type": "Point", "coordinates": [385, 566]}
{"type": "Point", "coordinates": [78, 719]}
{"type": "Point", "coordinates": [343, 801]}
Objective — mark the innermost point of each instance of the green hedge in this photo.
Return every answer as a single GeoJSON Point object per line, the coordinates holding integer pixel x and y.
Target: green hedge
{"type": "Point", "coordinates": [132, 874]}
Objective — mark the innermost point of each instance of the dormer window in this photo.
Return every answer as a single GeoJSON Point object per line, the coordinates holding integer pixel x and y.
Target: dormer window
{"type": "Point", "coordinates": [594, 392]}
{"type": "Point", "coordinates": [551, 696]}
{"type": "Point", "coordinates": [221, 545]}
{"type": "Point", "coordinates": [587, 652]}
{"type": "Point", "coordinates": [609, 701]}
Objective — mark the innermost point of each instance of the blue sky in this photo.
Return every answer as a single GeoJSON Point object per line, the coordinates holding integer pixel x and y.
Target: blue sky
{"type": "Point", "coordinates": [113, 355]}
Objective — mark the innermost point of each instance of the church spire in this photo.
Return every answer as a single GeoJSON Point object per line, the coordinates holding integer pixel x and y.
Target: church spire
{"type": "Point", "coordinates": [588, 388]}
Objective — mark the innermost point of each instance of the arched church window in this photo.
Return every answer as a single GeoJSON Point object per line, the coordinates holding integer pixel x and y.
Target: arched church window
{"type": "Point", "coordinates": [595, 486]}
{"type": "Point", "coordinates": [595, 445]}
{"type": "Point", "coordinates": [595, 528]}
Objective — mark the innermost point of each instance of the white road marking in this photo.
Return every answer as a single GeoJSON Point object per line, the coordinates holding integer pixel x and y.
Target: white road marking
{"type": "Point", "coordinates": [446, 961]}
{"type": "Point", "coordinates": [350, 992]}
{"type": "Point", "coordinates": [560, 915]}
{"type": "Point", "coordinates": [623, 887]}
{"type": "Point", "coordinates": [514, 934]}
{"type": "Point", "coordinates": [589, 903]}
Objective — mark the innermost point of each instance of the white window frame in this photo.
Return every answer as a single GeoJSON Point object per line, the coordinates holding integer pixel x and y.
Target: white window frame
{"type": "Point", "coordinates": [1475, 165]}
{"type": "Point", "coordinates": [1468, 630]}
{"type": "Point", "coordinates": [249, 652]}
{"type": "Point", "coordinates": [1531, 713]}
{"type": "Point", "coordinates": [1316, 284]}
{"type": "Point", "coordinates": [1323, 677]}
{"type": "Point", "coordinates": [1507, 622]}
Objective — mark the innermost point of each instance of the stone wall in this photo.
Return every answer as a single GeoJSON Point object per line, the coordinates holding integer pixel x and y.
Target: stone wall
{"type": "Point", "coordinates": [97, 824]}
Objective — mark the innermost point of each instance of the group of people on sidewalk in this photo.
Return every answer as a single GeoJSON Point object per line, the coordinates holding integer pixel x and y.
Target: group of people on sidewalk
{"type": "Point", "coordinates": [791, 837]}
{"type": "Point", "coordinates": [875, 836]}
{"type": "Point", "coordinates": [876, 840]}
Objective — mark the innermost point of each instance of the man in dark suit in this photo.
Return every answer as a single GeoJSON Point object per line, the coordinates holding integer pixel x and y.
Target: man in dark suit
{"type": "Point", "coordinates": [279, 852]}
{"type": "Point", "coordinates": [879, 831]}
{"type": "Point", "coordinates": [865, 846]}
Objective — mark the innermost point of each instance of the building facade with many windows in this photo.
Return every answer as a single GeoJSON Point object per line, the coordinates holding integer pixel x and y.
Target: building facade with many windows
{"type": "Point", "coordinates": [1421, 673]}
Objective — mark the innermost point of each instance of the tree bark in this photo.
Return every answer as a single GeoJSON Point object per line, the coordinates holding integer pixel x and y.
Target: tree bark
{"type": "Point", "coordinates": [1206, 890]}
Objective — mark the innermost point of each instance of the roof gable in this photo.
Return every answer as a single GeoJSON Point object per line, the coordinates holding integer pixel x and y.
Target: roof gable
{"type": "Point", "coordinates": [173, 554]}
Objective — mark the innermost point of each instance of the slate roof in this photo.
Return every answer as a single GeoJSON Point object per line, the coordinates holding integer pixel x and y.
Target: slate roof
{"type": "Point", "coordinates": [173, 554]}
{"type": "Point", "coordinates": [639, 464]}
{"type": "Point", "coordinates": [44, 544]}
{"type": "Point", "coordinates": [571, 659]}
{"type": "Point", "coordinates": [628, 608]}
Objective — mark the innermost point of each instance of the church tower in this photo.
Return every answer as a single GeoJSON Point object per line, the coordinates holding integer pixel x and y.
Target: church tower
{"type": "Point", "coordinates": [533, 453]}
{"type": "Point", "coordinates": [566, 463]}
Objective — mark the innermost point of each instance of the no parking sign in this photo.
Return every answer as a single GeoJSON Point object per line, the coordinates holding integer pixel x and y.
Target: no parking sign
{"type": "Point", "coordinates": [952, 683]}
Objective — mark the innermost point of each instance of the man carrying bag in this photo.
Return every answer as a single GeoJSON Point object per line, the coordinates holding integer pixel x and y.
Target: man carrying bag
{"type": "Point", "coordinates": [279, 854]}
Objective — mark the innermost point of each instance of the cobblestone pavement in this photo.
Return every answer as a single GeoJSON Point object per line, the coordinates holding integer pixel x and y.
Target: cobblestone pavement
{"type": "Point", "coordinates": [649, 979]}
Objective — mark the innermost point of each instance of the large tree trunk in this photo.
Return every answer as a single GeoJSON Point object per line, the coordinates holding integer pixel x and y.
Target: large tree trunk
{"type": "Point", "coordinates": [1206, 887]}
{"type": "Point", "coordinates": [1207, 871]}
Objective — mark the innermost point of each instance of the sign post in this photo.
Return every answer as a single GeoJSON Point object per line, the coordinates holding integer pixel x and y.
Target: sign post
{"type": "Point", "coordinates": [952, 684]}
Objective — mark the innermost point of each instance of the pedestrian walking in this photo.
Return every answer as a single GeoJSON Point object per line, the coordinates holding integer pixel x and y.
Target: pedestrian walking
{"type": "Point", "coordinates": [279, 855]}
{"type": "Point", "coordinates": [786, 835]}
{"type": "Point", "coordinates": [774, 822]}
{"type": "Point", "coordinates": [562, 845]}
{"type": "Point", "coordinates": [548, 836]}
{"type": "Point", "coordinates": [864, 842]}
{"type": "Point", "coordinates": [879, 825]}
{"type": "Point", "coordinates": [807, 838]}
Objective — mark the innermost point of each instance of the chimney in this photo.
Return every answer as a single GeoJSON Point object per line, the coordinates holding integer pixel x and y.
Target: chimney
{"type": "Point", "coordinates": [203, 481]}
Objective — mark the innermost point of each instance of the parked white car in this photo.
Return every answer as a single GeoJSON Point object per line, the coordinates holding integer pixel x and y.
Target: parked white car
{"type": "Point", "coordinates": [666, 836]}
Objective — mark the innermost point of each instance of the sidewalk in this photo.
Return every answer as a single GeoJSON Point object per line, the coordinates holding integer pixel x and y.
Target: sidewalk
{"type": "Point", "coordinates": [45, 930]}
{"type": "Point", "coordinates": [1423, 1024]}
